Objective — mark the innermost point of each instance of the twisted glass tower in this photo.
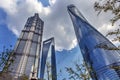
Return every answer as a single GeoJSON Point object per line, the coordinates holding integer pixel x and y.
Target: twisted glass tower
{"type": "Point", "coordinates": [101, 56]}
{"type": "Point", "coordinates": [27, 49]}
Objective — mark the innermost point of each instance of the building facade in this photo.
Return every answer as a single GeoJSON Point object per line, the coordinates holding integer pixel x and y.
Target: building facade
{"type": "Point", "coordinates": [27, 49]}
{"type": "Point", "coordinates": [100, 55]}
{"type": "Point", "coordinates": [48, 45]}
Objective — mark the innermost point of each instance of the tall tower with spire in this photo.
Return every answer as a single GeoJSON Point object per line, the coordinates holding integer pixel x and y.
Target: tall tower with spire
{"type": "Point", "coordinates": [27, 49]}
{"type": "Point", "coordinates": [100, 55]}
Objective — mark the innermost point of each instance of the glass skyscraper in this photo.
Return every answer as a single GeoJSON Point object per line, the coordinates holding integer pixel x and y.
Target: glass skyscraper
{"type": "Point", "coordinates": [101, 56]}
{"type": "Point", "coordinates": [48, 45]}
{"type": "Point", "coordinates": [27, 49]}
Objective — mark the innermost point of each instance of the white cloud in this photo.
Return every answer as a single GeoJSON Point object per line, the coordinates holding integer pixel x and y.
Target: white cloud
{"type": "Point", "coordinates": [56, 19]}
{"type": "Point", "coordinates": [105, 28]}
{"type": "Point", "coordinates": [18, 12]}
{"type": "Point", "coordinates": [52, 2]}
{"type": "Point", "coordinates": [9, 6]}
{"type": "Point", "coordinates": [74, 43]}
{"type": "Point", "coordinates": [15, 31]}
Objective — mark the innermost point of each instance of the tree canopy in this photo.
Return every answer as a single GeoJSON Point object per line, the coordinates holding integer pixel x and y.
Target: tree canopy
{"type": "Point", "coordinates": [109, 5]}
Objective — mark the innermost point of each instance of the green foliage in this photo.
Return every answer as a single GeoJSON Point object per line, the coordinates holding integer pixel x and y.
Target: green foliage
{"type": "Point", "coordinates": [116, 32]}
{"type": "Point", "coordinates": [114, 7]}
{"type": "Point", "coordinates": [109, 5]}
{"type": "Point", "coordinates": [5, 76]}
{"type": "Point", "coordinates": [79, 73]}
{"type": "Point", "coordinates": [48, 70]}
{"type": "Point", "coordinates": [106, 46]}
{"type": "Point", "coordinates": [24, 77]}
{"type": "Point", "coordinates": [5, 58]}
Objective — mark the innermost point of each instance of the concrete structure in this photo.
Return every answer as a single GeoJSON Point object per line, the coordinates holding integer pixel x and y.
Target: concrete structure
{"type": "Point", "coordinates": [27, 49]}
{"type": "Point", "coordinates": [101, 56]}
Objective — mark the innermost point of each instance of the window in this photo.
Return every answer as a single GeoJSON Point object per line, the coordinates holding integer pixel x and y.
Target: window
{"type": "Point", "coordinates": [35, 37]}
{"type": "Point", "coordinates": [33, 49]}
{"type": "Point", "coordinates": [25, 35]}
{"type": "Point", "coordinates": [20, 47]}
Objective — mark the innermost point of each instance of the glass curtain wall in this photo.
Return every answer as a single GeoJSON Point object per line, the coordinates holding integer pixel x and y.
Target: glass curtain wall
{"type": "Point", "coordinates": [98, 52]}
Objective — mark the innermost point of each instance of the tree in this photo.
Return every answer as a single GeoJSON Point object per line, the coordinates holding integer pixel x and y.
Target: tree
{"type": "Point", "coordinates": [5, 60]}
{"type": "Point", "coordinates": [24, 77]}
{"type": "Point", "coordinates": [109, 5]}
{"type": "Point", "coordinates": [114, 7]}
{"type": "Point", "coordinates": [5, 76]}
{"type": "Point", "coordinates": [80, 72]}
{"type": "Point", "coordinates": [48, 70]}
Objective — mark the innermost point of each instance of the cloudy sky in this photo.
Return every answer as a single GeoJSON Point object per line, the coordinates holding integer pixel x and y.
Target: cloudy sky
{"type": "Point", "coordinates": [14, 13]}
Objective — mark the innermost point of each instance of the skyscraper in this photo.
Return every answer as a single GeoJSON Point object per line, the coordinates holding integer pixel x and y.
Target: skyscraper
{"type": "Point", "coordinates": [101, 56]}
{"type": "Point", "coordinates": [27, 49]}
{"type": "Point", "coordinates": [48, 44]}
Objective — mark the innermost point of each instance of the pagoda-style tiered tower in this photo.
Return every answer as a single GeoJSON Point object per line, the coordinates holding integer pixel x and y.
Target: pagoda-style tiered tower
{"type": "Point", "coordinates": [27, 49]}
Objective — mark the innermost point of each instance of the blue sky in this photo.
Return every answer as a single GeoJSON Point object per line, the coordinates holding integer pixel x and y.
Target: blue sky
{"type": "Point", "coordinates": [45, 2]}
{"type": "Point", "coordinates": [7, 37]}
